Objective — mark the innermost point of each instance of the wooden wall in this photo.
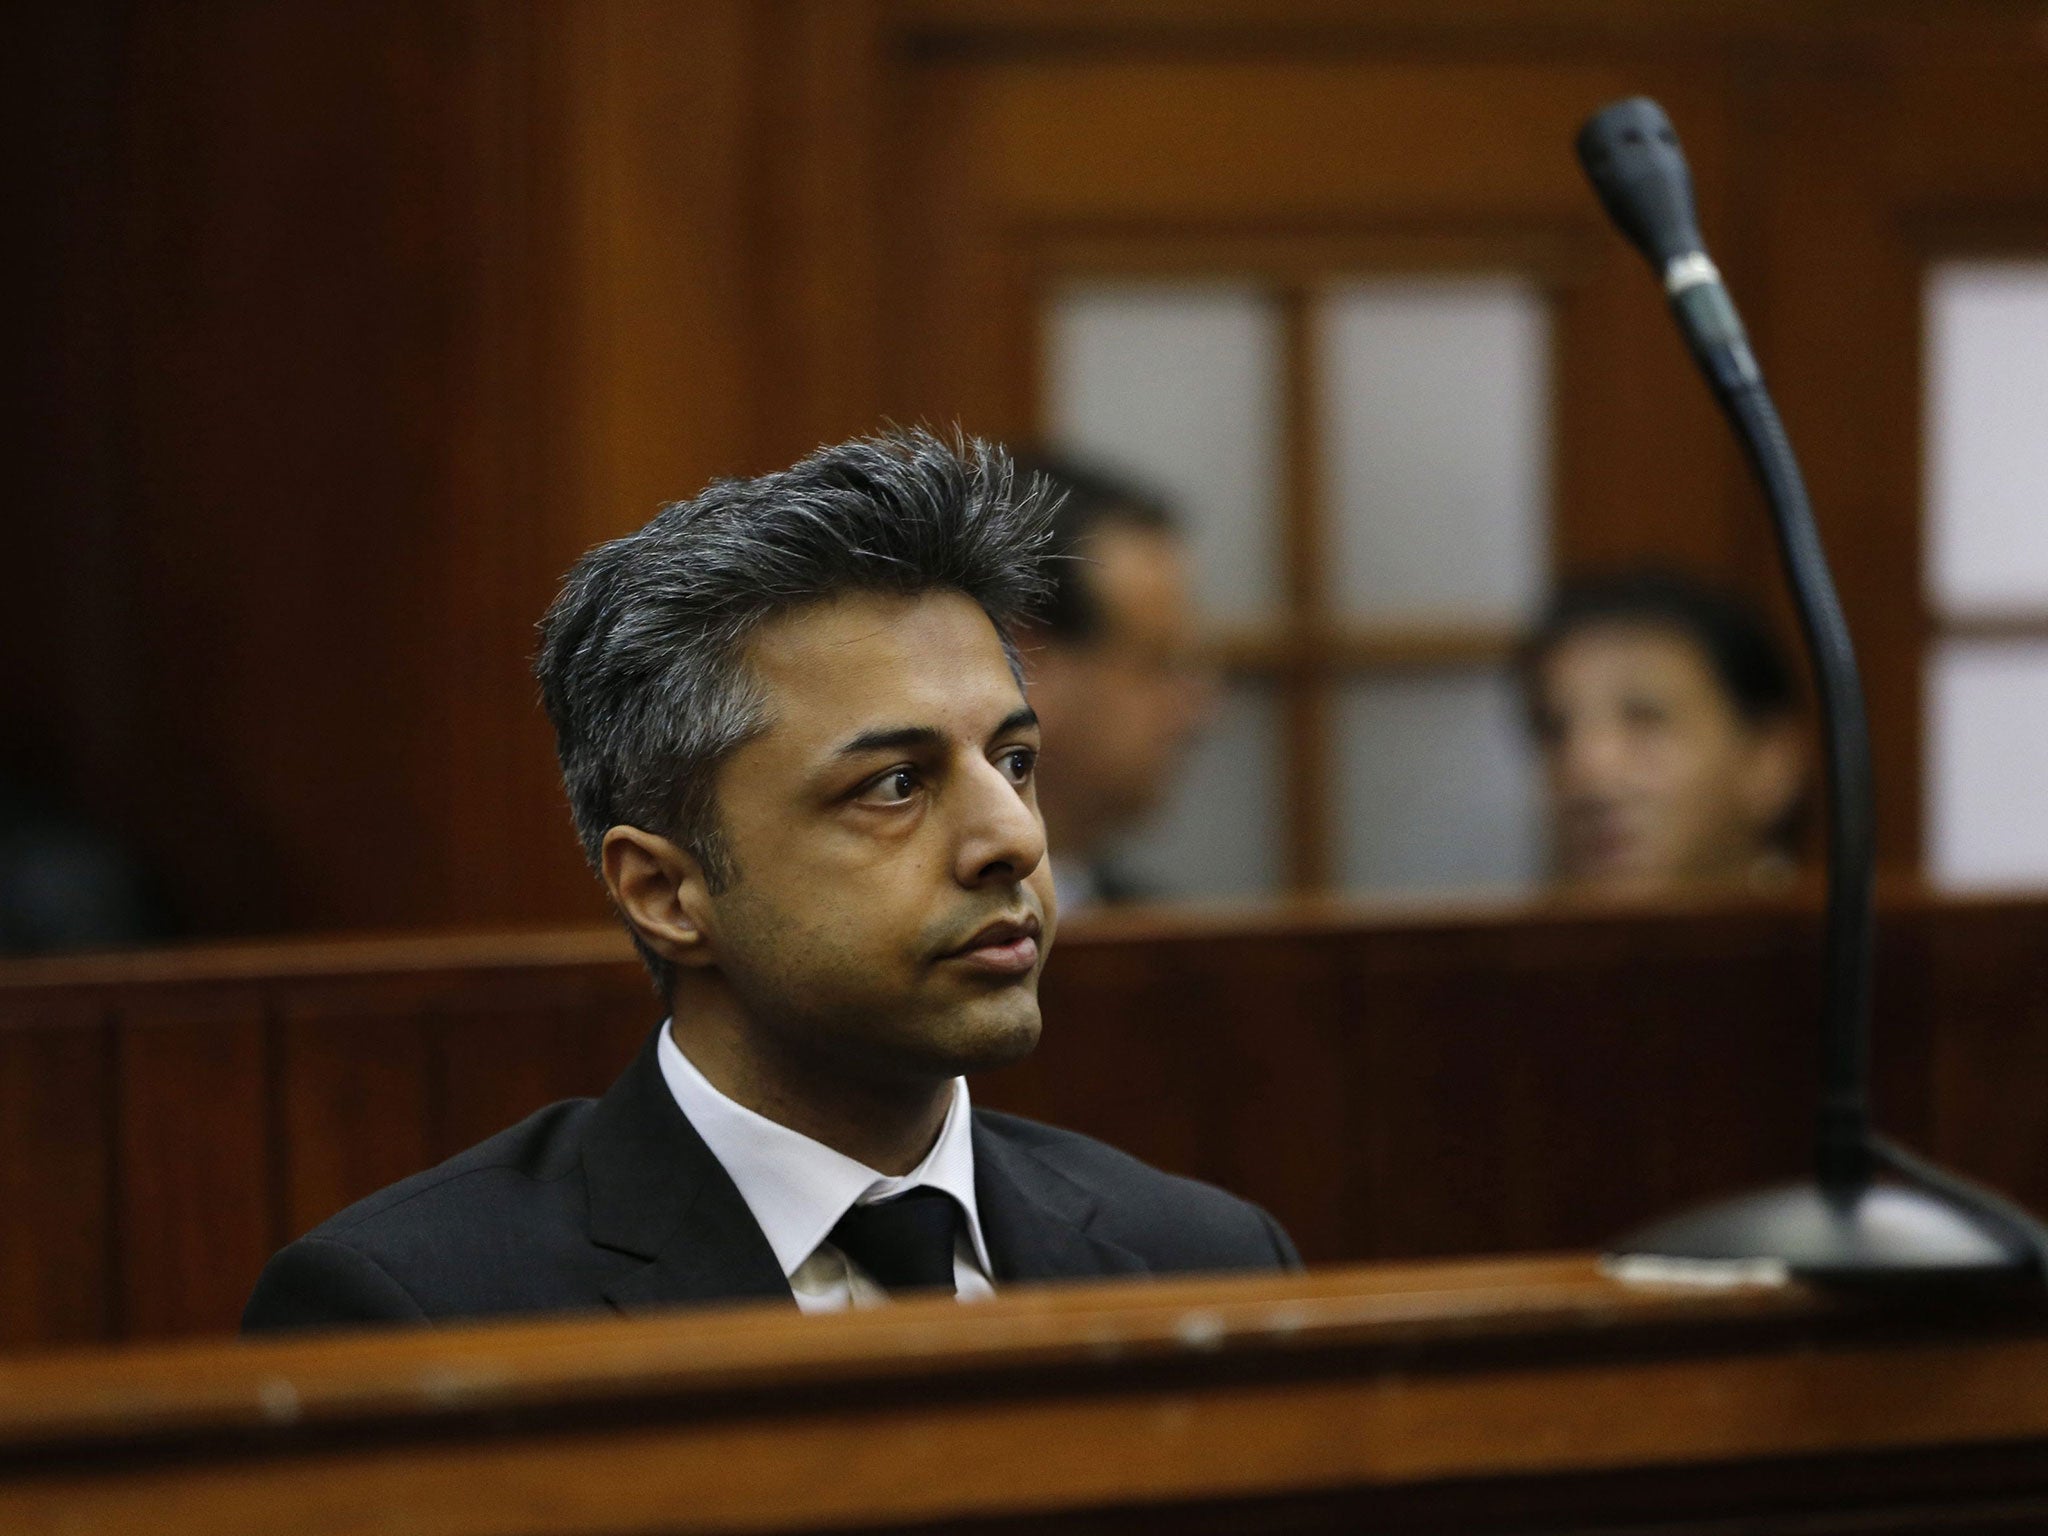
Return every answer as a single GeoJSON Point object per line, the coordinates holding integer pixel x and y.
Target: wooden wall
{"type": "Point", "coordinates": [347, 326]}
{"type": "Point", "coordinates": [354, 327]}
{"type": "Point", "coordinates": [1389, 1086]}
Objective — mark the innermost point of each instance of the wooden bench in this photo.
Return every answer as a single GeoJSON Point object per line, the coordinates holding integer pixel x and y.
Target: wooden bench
{"type": "Point", "coordinates": [1529, 1395]}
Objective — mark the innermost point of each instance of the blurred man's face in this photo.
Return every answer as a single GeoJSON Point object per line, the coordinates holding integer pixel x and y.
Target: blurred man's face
{"type": "Point", "coordinates": [882, 824]}
{"type": "Point", "coordinates": [1122, 708]}
{"type": "Point", "coordinates": [1655, 780]}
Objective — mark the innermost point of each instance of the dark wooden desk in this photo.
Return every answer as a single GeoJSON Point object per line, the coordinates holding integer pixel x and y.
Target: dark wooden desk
{"type": "Point", "coordinates": [1392, 1084]}
{"type": "Point", "coordinates": [1530, 1395]}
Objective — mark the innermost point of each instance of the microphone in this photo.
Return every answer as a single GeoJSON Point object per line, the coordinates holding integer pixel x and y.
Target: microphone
{"type": "Point", "coordinates": [1631, 155]}
{"type": "Point", "coordinates": [1845, 1225]}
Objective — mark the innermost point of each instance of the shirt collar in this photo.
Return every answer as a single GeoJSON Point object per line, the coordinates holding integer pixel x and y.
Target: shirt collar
{"type": "Point", "coordinates": [797, 1188]}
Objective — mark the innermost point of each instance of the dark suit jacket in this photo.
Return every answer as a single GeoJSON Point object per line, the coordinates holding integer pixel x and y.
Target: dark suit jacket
{"type": "Point", "coordinates": [618, 1202]}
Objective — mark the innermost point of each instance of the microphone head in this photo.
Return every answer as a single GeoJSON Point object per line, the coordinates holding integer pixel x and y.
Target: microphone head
{"type": "Point", "coordinates": [1631, 156]}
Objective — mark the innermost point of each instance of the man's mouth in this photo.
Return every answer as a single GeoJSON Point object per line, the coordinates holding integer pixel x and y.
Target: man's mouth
{"type": "Point", "coordinates": [1007, 946]}
{"type": "Point", "coordinates": [1603, 835]}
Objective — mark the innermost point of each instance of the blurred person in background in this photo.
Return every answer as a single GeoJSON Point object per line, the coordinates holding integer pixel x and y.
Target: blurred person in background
{"type": "Point", "coordinates": [1115, 674]}
{"type": "Point", "coordinates": [67, 884]}
{"type": "Point", "coordinates": [1669, 727]}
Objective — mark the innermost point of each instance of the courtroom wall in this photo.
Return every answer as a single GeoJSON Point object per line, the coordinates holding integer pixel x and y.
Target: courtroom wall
{"type": "Point", "coordinates": [347, 327]}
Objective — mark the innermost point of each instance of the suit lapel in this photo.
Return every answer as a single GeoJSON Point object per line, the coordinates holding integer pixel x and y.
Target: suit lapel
{"type": "Point", "coordinates": [1034, 1218]}
{"type": "Point", "coordinates": [658, 1194]}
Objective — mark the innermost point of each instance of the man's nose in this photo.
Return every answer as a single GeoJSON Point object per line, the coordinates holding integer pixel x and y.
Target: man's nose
{"type": "Point", "coordinates": [1589, 759]}
{"type": "Point", "coordinates": [1002, 838]}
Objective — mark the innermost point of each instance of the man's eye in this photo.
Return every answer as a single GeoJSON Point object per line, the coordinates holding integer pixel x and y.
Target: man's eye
{"type": "Point", "coordinates": [892, 788]}
{"type": "Point", "coordinates": [1018, 763]}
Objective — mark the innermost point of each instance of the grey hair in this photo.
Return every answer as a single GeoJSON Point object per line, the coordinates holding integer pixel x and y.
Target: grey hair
{"type": "Point", "coordinates": [642, 665]}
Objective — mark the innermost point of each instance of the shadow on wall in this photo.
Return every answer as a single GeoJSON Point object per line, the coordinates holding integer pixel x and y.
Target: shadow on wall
{"type": "Point", "coordinates": [67, 884]}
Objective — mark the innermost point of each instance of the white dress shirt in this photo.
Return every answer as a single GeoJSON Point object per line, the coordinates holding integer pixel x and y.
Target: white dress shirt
{"type": "Point", "coordinates": [798, 1188]}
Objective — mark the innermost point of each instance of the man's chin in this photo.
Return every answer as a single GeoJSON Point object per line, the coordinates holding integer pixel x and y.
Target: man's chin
{"type": "Point", "coordinates": [1611, 859]}
{"type": "Point", "coordinates": [991, 1033]}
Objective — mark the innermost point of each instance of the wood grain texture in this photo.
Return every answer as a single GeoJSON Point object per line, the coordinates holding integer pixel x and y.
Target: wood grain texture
{"type": "Point", "coordinates": [1987, 985]}
{"type": "Point", "coordinates": [1389, 1083]}
{"type": "Point", "coordinates": [360, 1095]}
{"type": "Point", "coordinates": [193, 1388]}
{"type": "Point", "coordinates": [1368, 1386]}
{"type": "Point", "coordinates": [57, 1224]}
{"type": "Point", "coordinates": [570, 1041]}
{"type": "Point", "coordinates": [197, 1167]}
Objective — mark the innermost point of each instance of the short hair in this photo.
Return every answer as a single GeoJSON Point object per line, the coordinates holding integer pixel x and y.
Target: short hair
{"type": "Point", "coordinates": [1090, 497]}
{"type": "Point", "coordinates": [642, 654]}
{"type": "Point", "coordinates": [1730, 634]}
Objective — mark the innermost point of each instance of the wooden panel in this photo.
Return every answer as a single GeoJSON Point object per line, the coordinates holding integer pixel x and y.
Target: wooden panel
{"type": "Point", "coordinates": [603, 951]}
{"type": "Point", "coordinates": [1446, 1089]}
{"type": "Point", "coordinates": [826, 183]}
{"type": "Point", "coordinates": [385, 1076]}
{"type": "Point", "coordinates": [196, 1162]}
{"type": "Point", "coordinates": [664, 286]}
{"type": "Point", "coordinates": [291, 246]}
{"type": "Point", "coordinates": [1971, 129]}
{"type": "Point", "coordinates": [1501, 25]}
{"type": "Point", "coordinates": [358, 1096]}
{"type": "Point", "coordinates": [373, 318]}
{"type": "Point", "coordinates": [1645, 471]}
{"type": "Point", "coordinates": [1988, 990]}
{"type": "Point", "coordinates": [1262, 1119]}
{"type": "Point", "coordinates": [56, 1220]}
{"type": "Point", "coordinates": [1112, 1040]}
{"type": "Point", "coordinates": [1558, 1061]}
{"type": "Point", "coordinates": [505, 1053]}
{"type": "Point", "coordinates": [1290, 1124]}
{"type": "Point", "coordinates": [1838, 332]}
{"type": "Point", "coordinates": [1131, 139]}
{"type": "Point", "coordinates": [1531, 1396]}
{"type": "Point", "coordinates": [62, 674]}
{"type": "Point", "coordinates": [1387, 1084]}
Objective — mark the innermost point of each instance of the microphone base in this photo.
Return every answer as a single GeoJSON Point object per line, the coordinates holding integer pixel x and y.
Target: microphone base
{"type": "Point", "coordinates": [1874, 1233]}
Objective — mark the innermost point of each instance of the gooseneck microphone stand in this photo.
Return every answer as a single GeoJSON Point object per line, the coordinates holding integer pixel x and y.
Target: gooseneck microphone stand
{"type": "Point", "coordinates": [1846, 1224]}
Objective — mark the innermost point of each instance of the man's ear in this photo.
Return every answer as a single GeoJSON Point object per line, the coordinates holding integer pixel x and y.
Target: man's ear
{"type": "Point", "coordinates": [659, 887]}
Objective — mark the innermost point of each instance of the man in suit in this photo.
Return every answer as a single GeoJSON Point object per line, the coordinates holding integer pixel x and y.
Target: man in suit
{"type": "Point", "coordinates": [1114, 672]}
{"type": "Point", "coordinates": [799, 754]}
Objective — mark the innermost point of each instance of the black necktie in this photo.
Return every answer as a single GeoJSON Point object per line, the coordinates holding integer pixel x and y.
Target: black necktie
{"type": "Point", "coordinates": [905, 1243]}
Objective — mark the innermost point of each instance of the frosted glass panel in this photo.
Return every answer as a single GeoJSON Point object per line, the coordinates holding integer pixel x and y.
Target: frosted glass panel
{"type": "Point", "coordinates": [1179, 384]}
{"type": "Point", "coordinates": [1436, 429]}
{"type": "Point", "coordinates": [1436, 783]}
{"type": "Point", "coordinates": [1987, 436]}
{"type": "Point", "coordinates": [1987, 782]}
{"type": "Point", "coordinates": [1220, 834]}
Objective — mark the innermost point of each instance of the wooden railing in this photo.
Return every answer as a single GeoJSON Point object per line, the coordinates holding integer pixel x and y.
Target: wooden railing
{"type": "Point", "coordinates": [1528, 1395]}
{"type": "Point", "coordinates": [1391, 1084]}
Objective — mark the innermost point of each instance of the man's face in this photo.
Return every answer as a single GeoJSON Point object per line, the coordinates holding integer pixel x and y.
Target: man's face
{"type": "Point", "coordinates": [893, 904]}
{"type": "Point", "coordinates": [1654, 778]}
{"type": "Point", "coordinates": [1122, 707]}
